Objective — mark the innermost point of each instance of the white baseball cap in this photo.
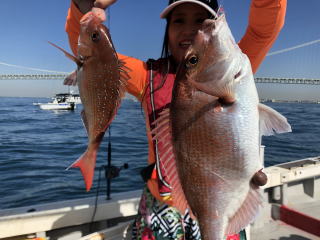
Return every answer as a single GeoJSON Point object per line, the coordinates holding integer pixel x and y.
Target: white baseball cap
{"type": "Point", "coordinates": [210, 5]}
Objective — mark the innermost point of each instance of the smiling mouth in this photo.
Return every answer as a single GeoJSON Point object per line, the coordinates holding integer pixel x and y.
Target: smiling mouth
{"type": "Point", "coordinates": [185, 44]}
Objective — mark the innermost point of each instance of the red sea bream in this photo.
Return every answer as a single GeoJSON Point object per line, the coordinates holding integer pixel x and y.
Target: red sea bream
{"type": "Point", "coordinates": [216, 124]}
{"type": "Point", "coordinates": [101, 81]}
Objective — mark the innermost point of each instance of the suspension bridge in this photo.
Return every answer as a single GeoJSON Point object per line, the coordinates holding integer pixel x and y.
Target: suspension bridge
{"type": "Point", "coordinates": [62, 76]}
{"type": "Point", "coordinates": [33, 76]}
{"type": "Point", "coordinates": [56, 75]}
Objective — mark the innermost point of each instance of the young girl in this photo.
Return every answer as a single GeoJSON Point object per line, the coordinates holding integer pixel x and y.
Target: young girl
{"type": "Point", "coordinates": [151, 83]}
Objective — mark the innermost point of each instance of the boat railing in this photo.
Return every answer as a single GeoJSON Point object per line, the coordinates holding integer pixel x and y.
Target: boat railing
{"type": "Point", "coordinates": [293, 189]}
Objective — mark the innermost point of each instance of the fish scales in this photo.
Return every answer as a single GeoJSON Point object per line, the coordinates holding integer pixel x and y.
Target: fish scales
{"type": "Point", "coordinates": [101, 87]}
{"type": "Point", "coordinates": [101, 79]}
{"type": "Point", "coordinates": [215, 123]}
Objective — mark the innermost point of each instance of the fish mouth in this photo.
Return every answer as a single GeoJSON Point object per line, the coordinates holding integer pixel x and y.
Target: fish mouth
{"type": "Point", "coordinates": [84, 51]}
{"type": "Point", "coordinates": [83, 58]}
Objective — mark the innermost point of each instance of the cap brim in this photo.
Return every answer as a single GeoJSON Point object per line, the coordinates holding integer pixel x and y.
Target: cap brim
{"type": "Point", "coordinates": [169, 8]}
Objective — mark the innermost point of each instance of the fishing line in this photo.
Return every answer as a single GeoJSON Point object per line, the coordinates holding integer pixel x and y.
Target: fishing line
{"type": "Point", "coordinates": [96, 199]}
{"type": "Point", "coordinates": [109, 165]}
{"type": "Point", "coordinates": [220, 9]}
{"type": "Point", "coordinates": [99, 180]}
{"type": "Point", "coordinates": [108, 17]}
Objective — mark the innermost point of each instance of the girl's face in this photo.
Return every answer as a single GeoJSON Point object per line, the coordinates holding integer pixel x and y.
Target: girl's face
{"type": "Point", "coordinates": [186, 19]}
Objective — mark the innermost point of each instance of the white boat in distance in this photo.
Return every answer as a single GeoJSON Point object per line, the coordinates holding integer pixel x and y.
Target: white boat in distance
{"type": "Point", "coordinates": [61, 101]}
{"type": "Point", "coordinates": [69, 97]}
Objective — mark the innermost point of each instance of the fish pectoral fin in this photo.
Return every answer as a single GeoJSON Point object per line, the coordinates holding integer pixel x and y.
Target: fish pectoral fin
{"type": "Point", "coordinates": [85, 121]}
{"type": "Point", "coordinates": [71, 79]}
{"type": "Point", "coordinates": [246, 213]}
{"type": "Point", "coordinates": [271, 121]}
{"type": "Point", "coordinates": [68, 55]}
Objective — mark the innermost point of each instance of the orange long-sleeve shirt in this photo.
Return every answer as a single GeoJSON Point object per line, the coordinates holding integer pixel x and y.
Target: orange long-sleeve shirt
{"type": "Point", "coordinates": [265, 22]}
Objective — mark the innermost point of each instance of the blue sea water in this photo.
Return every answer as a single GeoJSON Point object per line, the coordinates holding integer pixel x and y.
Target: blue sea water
{"type": "Point", "coordinates": [36, 146]}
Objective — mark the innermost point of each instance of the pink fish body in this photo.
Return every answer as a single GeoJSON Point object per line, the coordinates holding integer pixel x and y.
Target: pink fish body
{"type": "Point", "coordinates": [101, 81]}
{"type": "Point", "coordinates": [216, 123]}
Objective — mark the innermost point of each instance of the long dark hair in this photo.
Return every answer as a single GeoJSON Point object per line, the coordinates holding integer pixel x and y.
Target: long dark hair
{"type": "Point", "coordinates": [165, 45]}
{"type": "Point", "coordinates": [165, 53]}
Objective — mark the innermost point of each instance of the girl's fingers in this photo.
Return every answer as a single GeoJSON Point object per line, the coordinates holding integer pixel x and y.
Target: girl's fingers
{"type": "Point", "coordinates": [103, 3]}
{"type": "Point", "coordinates": [100, 13]}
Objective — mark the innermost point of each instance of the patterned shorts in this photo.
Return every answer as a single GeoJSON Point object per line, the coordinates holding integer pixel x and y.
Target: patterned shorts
{"type": "Point", "coordinates": [159, 221]}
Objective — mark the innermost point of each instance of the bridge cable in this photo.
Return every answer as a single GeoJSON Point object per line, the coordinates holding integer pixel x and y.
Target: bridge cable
{"type": "Point", "coordinates": [294, 47]}
{"type": "Point", "coordinates": [31, 68]}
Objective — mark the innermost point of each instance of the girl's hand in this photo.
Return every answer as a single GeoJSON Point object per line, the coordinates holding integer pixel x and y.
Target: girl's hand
{"type": "Point", "coordinates": [97, 6]}
{"type": "Point", "coordinates": [84, 5]}
{"type": "Point", "coordinates": [103, 3]}
{"type": "Point", "coordinates": [100, 6]}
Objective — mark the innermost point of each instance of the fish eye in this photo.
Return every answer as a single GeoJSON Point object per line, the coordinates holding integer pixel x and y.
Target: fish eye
{"type": "Point", "coordinates": [192, 61]}
{"type": "Point", "coordinates": [95, 36]}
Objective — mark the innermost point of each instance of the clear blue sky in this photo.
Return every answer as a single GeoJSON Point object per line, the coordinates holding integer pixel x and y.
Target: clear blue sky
{"type": "Point", "coordinates": [137, 31]}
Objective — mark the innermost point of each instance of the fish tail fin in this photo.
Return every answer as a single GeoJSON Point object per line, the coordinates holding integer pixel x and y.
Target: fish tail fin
{"type": "Point", "coordinates": [246, 213]}
{"type": "Point", "coordinates": [86, 162]}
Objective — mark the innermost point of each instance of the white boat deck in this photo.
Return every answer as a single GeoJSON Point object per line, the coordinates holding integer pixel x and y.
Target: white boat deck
{"type": "Point", "coordinates": [278, 230]}
{"type": "Point", "coordinates": [77, 214]}
{"type": "Point", "coordinates": [295, 185]}
{"type": "Point", "coordinates": [309, 208]}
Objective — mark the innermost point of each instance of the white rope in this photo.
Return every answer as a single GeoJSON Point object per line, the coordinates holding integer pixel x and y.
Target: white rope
{"type": "Point", "coordinates": [31, 68]}
{"type": "Point", "coordinates": [293, 48]}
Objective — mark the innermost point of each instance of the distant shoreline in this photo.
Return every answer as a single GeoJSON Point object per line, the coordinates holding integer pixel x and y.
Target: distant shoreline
{"type": "Point", "coordinates": [290, 101]}
{"type": "Point", "coordinates": [262, 100]}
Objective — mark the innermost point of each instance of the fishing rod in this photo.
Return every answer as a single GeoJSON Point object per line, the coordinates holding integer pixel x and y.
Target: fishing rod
{"type": "Point", "coordinates": [110, 170]}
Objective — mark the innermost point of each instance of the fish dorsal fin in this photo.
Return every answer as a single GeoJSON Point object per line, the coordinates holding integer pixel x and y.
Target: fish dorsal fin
{"type": "Point", "coordinates": [271, 121]}
{"type": "Point", "coordinates": [162, 134]}
{"type": "Point", "coordinates": [71, 79]}
{"type": "Point", "coordinates": [246, 213]}
{"type": "Point", "coordinates": [124, 76]}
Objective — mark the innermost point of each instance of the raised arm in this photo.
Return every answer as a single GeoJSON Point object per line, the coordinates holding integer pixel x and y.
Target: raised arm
{"type": "Point", "coordinates": [137, 73]}
{"type": "Point", "coordinates": [266, 20]}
